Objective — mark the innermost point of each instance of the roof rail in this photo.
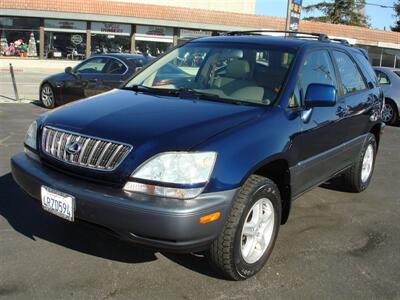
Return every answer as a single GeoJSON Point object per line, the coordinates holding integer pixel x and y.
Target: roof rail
{"type": "Point", "coordinates": [320, 36]}
{"type": "Point", "coordinates": [341, 41]}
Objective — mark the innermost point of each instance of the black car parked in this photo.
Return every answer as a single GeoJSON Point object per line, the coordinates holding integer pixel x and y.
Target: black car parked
{"type": "Point", "coordinates": [93, 76]}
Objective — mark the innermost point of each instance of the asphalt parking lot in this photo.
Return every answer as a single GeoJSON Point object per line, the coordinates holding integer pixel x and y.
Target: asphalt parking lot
{"type": "Point", "coordinates": [336, 245]}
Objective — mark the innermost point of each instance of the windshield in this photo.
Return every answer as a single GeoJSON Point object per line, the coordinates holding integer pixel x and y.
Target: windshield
{"type": "Point", "coordinates": [240, 72]}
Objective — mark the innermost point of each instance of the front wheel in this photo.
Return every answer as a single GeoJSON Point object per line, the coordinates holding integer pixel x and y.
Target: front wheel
{"type": "Point", "coordinates": [389, 114]}
{"type": "Point", "coordinates": [47, 96]}
{"type": "Point", "coordinates": [249, 234]}
{"type": "Point", "coordinates": [358, 177]}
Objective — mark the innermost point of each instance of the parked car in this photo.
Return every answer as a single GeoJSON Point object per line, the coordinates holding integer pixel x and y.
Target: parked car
{"type": "Point", "coordinates": [93, 76]}
{"type": "Point", "coordinates": [211, 164]}
{"type": "Point", "coordinates": [389, 79]}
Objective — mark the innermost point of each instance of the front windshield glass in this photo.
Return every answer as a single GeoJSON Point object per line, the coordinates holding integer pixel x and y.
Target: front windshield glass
{"type": "Point", "coordinates": [240, 72]}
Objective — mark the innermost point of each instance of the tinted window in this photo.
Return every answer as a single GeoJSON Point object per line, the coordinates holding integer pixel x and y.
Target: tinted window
{"type": "Point", "coordinates": [382, 77]}
{"type": "Point", "coordinates": [366, 67]}
{"type": "Point", "coordinates": [116, 67]}
{"type": "Point", "coordinates": [138, 62]}
{"type": "Point", "coordinates": [244, 73]}
{"type": "Point", "coordinates": [316, 68]}
{"type": "Point", "coordinates": [92, 66]}
{"type": "Point", "coordinates": [352, 80]}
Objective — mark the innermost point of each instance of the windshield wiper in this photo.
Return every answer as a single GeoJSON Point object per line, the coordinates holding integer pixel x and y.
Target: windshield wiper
{"type": "Point", "coordinates": [197, 94]}
{"type": "Point", "coordinates": [138, 88]}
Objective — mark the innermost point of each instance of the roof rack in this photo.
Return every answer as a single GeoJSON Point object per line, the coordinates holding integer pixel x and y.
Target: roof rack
{"type": "Point", "coordinates": [295, 34]}
{"type": "Point", "coordinates": [319, 36]}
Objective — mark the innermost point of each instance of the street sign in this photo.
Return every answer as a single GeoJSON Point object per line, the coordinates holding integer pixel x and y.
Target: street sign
{"type": "Point", "coordinates": [293, 15]}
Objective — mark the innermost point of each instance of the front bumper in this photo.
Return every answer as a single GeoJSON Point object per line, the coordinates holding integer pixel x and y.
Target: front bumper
{"type": "Point", "coordinates": [169, 224]}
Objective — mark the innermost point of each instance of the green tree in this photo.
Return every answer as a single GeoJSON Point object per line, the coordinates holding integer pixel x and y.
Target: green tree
{"type": "Point", "coordinates": [396, 27]}
{"type": "Point", "coordinates": [347, 12]}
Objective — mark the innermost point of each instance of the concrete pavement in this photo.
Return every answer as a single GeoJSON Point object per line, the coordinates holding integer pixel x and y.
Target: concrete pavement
{"type": "Point", "coordinates": [336, 245]}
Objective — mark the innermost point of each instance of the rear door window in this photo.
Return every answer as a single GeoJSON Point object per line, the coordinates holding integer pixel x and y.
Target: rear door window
{"type": "Point", "coordinates": [382, 77]}
{"type": "Point", "coordinates": [94, 65]}
{"type": "Point", "coordinates": [351, 78]}
{"type": "Point", "coordinates": [116, 67]}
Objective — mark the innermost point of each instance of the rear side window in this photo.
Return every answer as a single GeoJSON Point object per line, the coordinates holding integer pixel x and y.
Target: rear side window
{"type": "Point", "coordinates": [116, 67]}
{"type": "Point", "coordinates": [352, 80]}
{"type": "Point", "coordinates": [382, 77]}
{"type": "Point", "coordinates": [366, 67]}
{"type": "Point", "coordinates": [316, 68]}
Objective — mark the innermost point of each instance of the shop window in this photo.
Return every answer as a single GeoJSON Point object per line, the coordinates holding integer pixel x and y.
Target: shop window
{"type": "Point", "coordinates": [152, 48]}
{"type": "Point", "coordinates": [19, 36]}
{"type": "Point", "coordinates": [108, 43]}
{"type": "Point", "coordinates": [388, 57]}
{"type": "Point", "coordinates": [374, 54]}
{"type": "Point", "coordinates": [65, 45]}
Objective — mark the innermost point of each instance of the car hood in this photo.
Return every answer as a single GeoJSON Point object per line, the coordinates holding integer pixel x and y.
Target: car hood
{"type": "Point", "coordinates": [150, 123]}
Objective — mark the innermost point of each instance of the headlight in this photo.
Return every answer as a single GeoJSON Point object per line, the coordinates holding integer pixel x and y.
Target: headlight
{"type": "Point", "coordinates": [30, 138]}
{"type": "Point", "coordinates": [180, 174]}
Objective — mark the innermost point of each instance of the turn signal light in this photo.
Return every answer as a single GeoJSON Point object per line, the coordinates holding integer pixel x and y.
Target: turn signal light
{"type": "Point", "coordinates": [210, 218]}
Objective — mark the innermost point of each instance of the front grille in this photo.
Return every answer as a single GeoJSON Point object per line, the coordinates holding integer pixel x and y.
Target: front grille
{"type": "Point", "coordinates": [94, 153]}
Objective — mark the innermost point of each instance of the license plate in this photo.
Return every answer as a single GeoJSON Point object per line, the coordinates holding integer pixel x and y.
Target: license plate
{"type": "Point", "coordinates": [58, 203]}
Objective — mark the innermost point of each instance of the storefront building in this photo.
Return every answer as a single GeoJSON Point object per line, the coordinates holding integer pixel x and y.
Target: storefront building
{"type": "Point", "coordinates": [75, 30]}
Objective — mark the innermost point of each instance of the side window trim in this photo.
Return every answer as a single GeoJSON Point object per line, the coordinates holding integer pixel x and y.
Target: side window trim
{"type": "Point", "coordinates": [342, 94]}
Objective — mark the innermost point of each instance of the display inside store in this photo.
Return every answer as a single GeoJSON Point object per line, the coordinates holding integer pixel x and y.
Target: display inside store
{"type": "Point", "coordinates": [18, 44]}
{"type": "Point", "coordinates": [64, 45]}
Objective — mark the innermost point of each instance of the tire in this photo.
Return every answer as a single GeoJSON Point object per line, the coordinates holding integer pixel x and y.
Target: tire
{"type": "Point", "coordinates": [356, 180]}
{"type": "Point", "coordinates": [47, 96]}
{"type": "Point", "coordinates": [230, 253]}
{"type": "Point", "coordinates": [390, 113]}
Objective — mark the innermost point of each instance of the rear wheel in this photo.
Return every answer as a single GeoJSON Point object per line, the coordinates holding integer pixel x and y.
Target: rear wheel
{"type": "Point", "coordinates": [249, 234]}
{"type": "Point", "coordinates": [47, 96]}
{"type": "Point", "coordinates": [390, 114]}
{"type": "Point", "coordinates": [358, 177]}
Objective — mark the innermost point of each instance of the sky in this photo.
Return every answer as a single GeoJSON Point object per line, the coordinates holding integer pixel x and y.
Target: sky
{"type": "Point", "coordinates": [379, 17]}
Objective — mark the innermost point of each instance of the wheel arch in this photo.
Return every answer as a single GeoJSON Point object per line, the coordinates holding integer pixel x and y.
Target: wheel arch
{"type": "Point", "coordinates": [376, 131]}
{"type": "Point", "coordinates": [278, 171]}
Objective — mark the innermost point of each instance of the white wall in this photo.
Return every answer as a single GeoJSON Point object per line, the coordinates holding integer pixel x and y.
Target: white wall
{"type": "Point", "coordinates": [239, 6]}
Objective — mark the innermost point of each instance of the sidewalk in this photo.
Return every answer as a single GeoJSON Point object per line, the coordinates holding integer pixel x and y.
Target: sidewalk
{"type": "Point", "coordinates": [29, 73]}
{"type": "Point", "coordinates": [35, 65]}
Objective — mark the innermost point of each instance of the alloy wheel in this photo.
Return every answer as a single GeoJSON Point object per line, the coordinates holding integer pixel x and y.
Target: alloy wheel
{"type": "Point", "coordinates": [257, 230]}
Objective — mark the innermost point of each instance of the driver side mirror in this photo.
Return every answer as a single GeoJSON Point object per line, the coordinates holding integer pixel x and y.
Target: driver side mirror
{"type": "Point", "coordinates": [320, 95]}
{"type": "Point", "coordinates": [68, 70]}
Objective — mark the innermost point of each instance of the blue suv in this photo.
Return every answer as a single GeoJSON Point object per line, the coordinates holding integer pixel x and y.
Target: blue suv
{"type": "Point", "coordinates": [213, 157]}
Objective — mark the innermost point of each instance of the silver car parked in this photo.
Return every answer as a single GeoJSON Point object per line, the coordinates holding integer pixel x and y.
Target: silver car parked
{"type": "Point", "coordinates": [389, 78]}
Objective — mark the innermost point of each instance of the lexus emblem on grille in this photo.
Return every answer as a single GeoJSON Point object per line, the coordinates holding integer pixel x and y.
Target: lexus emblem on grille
{"type": "Point", "coordinates": [73, 147]}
